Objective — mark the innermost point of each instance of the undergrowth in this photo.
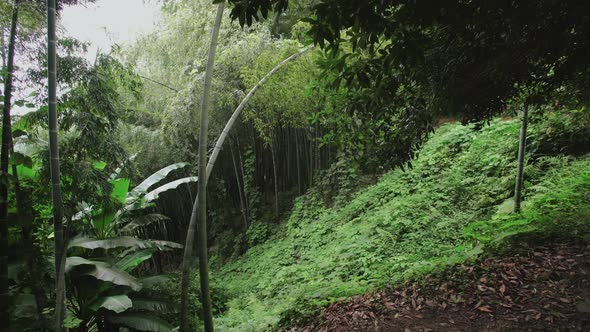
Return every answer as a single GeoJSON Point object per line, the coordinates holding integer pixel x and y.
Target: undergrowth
{"type": "Point", "coordinates": [407, 224]}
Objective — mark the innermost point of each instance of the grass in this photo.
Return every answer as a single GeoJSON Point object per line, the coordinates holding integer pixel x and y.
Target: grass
{"type": "Point", "coordinates": [407, 224]}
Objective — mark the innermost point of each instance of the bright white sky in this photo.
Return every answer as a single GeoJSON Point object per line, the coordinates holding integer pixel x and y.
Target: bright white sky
{"type": "Point", "coordinates": [110, 21]}
{"type": "Point", "coordinates": [103, 24]}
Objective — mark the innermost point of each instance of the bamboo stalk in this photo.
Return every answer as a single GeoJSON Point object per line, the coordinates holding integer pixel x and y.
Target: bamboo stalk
{"type": "Point", "coordinates": [521, 153]}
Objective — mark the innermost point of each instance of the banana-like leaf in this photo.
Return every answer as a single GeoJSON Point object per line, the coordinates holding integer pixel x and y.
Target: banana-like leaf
{"type": "Point", "coordinates": [154, 194]}
{"type": "Point", "coordinates": [166, 245]}
{"type": "Point", "coordinates": [17, 158]}
{"type": "Point", "coordinates": [111, 243]}
{"type": "Point", "coordinates": [153, 179]}
{"type": "Point", "coordinates": [152, 281]}
{"type": "Point", "coordinates": [75, 261]}
{"type": "Point", "coordinates": [120, 190]}
{"type": "Point", "coordinates": [102, 271]}
{"type": "Point", "coordinates": [116, 303]}
{"type": "Point", "coordinates": [140, 304]}
{"type": "Point", "coordinates": [141, 322]}
{"type": "Point", "coordinates": [133, 259]}
{"type": "Point", "coordinates": [121, 242]}
{"type": "Point", "coordinates": [143, 221]}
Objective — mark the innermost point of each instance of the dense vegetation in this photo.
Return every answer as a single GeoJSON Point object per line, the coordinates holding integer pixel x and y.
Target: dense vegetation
{"type": "Point", "coordinates": [306, 151]}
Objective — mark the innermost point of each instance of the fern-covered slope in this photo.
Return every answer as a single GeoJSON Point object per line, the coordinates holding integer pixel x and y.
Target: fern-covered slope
{"type": "Point", "coordinates": [408, 223]}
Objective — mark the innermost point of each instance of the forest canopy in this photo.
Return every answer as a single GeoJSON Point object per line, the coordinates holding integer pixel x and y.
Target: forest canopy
{"type": "Point", "coordinates": [297, 154]}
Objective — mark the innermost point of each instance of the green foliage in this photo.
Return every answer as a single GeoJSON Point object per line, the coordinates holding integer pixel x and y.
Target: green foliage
{"type": "Point", "coordinates": [561, 131]}
{"type": "Point", "coordinates": [407, 224]}
{"type": "Point", "coordinates": [559, 207]}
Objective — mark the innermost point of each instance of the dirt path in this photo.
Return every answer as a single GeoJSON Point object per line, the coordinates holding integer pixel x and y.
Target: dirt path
{"type": "Point", "coordinates": [546, 289]}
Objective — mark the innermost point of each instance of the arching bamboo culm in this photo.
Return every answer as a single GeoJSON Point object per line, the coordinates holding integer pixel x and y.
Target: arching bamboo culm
{"type": "Point", "coordinates": [187, 257]}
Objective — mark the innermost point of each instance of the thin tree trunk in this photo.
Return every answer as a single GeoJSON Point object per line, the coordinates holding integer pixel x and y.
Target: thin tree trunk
{"type": "Point", "coordinates": [311, 155]}
{"type": "Point", "coordinates": [201, 201]}
{"type": "Point", "coordinates": [187, 257]}
{"type": "Point", "coordinates": [274, 171]}
{"type": "Point", "coordinates": [237, 174]}
{"type": "Point", "coordinates": [287, 136]}
{"type": "Point", "coordinates": [297, 151]}
{"type": "Point", "coordinates": [521, 153]}
{"type": "Point", "coordinates": [243, 179]}
{"type": "Point", "coordinates": [5, 150]}
{"type": "Point", "coordinates": [58, 231]}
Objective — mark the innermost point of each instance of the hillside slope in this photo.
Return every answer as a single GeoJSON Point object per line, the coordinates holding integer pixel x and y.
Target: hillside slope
{"type": "Point", "coordinates": [407, 224]}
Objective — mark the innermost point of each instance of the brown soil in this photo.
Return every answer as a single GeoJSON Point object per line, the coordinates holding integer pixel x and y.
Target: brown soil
{"type": "Point", "coordinates": [545, 289]}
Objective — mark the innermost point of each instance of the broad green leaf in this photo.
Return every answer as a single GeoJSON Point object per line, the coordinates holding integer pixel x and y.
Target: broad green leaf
{"type": "Point", "coordinates": [141, 322]}
{"type": "Point", "coordinates": [18, 133]}
{"type": "Point", "coordinates": [25, 172]}
{"type": "Point", "coordinates": [140, 304]}
{"type": "Point", "coordinates": [121, 242]}
{"type": "Point", "coordinates": [114, 276]}
{"type": "Point", "coordinates": [153, 179]}
{"type": "Point", "coordinates": [116, 303]}
{"type": "Point", "coordinates": [165, 245]}
{"type": "Point", "coordinates": [143, 221]}
{"type": "Point", "coordinates": [102, 220]}
{"type": "Point", "coordinates": [99, 165]}
{"type": "Point", "coordinates": [151, 281]}
{"type": "Point", "coordinates": [75, 261]}
{"type": "Point", "coordinates": [111, 243]}
{"type": "Point", "coordinates": [101, 271]}
{"type": "Point", "coordinates": [154, 194]}
{"type": "Point", "coordinates": [120, 190]}
{"type": "Point", "coordinates": [17, 158]}
{"type": "Point", "coordinates": [133, 259]}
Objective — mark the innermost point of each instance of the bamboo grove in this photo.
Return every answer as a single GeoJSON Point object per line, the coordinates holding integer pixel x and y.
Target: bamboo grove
{"type": "Point", "coordinates": [237, 127]}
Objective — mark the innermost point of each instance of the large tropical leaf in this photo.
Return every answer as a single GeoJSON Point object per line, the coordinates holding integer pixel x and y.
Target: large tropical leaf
{"type": "Point", "coordinates": [152, 281]}
{"type": "Point", "coordinates": [121, 242]}
{"type": "Point", "coordinates": [75, 261]}
{"type": "Point", "coordinates": [110, 243]}
{"type": "Point", "coordinates": [133, 259]}
{"type": "Point", "coordinates": [165, 245]}
{"type": "Point", "coordinates": [101, 271]}
{"type": "Point", "coordinates": [141, 322]}
{"type": "Point", "coordinates": [154, 194]}
{"type": "Point", "coordinates": [143, 221]}
{"type": "Point", "coordinates": [120, 190]}
{"type": "Point", "coordinates": [116, 303]}
{"type": "Point", "coordinates": [141, 304]}
{"type": "Point", "coordinates": [153, 179]}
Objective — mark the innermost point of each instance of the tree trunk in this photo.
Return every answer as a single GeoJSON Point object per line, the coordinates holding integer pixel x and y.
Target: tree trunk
{"type": "Point", "coordinates": [297, 152]}
{"type": "Point", "coordinates": [287, 136]}
{"type": "Point", "coordinates": [5, 150]}
{"type": "Point", "coordinates": [200, 205]}
{"type": "Point", "coordinates": [58, 231]}
{"type": "Point", "coordinates": [237, 174]}
{"type": "Point", "coordinates": [274, 171]}
{"type": "Point", "coordinates": [243, 179]}
{"type": "Point", "coordinates": [521, 153]}
{"type": "Point", "coordinates": [187, 257]}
